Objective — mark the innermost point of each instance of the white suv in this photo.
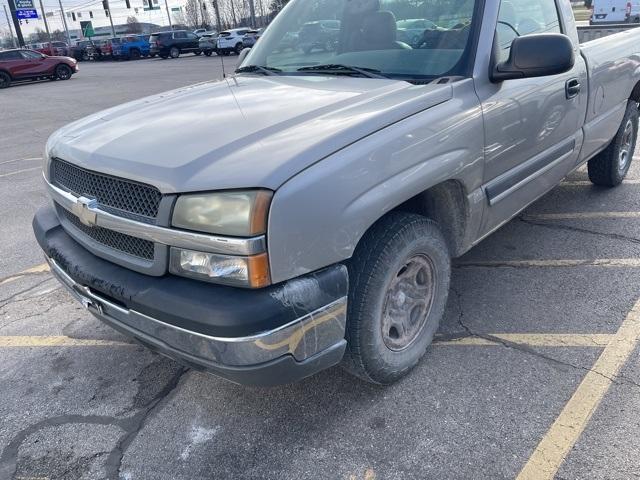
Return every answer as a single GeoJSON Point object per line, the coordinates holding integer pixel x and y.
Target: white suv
{"type": "Point", "coordinates": [231, 41]}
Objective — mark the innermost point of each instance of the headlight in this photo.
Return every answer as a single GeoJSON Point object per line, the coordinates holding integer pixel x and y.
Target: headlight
{"type": "Point", "coordinates": [235, 213]}
{"type": "Point", "coordinates": [252, 272]}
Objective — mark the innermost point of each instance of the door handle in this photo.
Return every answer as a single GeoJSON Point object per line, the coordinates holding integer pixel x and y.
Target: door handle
{"type": "Point", "coordinates": [572, 88]}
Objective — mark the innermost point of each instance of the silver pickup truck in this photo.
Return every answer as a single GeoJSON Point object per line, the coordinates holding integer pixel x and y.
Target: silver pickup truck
{"type": "Point", "coordinates": [304, 212]}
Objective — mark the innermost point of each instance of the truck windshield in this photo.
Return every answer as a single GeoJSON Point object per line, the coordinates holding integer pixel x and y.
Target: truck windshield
{"type": "Point", "coordinates": [404, 39]}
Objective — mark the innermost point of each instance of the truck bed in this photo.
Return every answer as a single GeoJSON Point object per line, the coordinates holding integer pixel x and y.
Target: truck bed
{"type": "Point", "coordinates": [594, 32]}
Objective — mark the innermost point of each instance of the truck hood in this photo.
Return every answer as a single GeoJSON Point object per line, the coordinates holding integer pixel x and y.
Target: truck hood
{"type": "Point", "coordinates": [241, 132]}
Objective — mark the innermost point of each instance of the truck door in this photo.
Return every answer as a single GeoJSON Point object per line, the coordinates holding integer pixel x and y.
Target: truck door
{"type": "Point", "coordinates": [533, 126]}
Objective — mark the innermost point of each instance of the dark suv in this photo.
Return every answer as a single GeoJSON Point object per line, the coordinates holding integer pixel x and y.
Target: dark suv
{"type": "Point", "coordinates": [322, 34]}
{"type": "Point", "coordinates": [172, 44]}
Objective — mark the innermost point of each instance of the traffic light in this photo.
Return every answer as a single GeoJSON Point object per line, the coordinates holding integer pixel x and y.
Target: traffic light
{"type": "Point", "coordinates": [105, 5]}
{"type": "Point", "coordinates": [90, 14]}
{"type": "Point", "coordinates": [73, 16]}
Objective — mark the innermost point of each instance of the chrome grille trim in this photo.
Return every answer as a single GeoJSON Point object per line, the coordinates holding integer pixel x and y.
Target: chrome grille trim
{"type": "Point", "coordinates": [165, 236]}
{"type": "Point", "coordinates": [117, 241]}
{"type": "Point", "coordinates": [116, 195]}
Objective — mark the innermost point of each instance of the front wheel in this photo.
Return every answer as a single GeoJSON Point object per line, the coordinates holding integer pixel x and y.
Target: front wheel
{"type": "Point", "coordinates": [135, 55]}
{"type": "Point", "coordinates": [63, 72]}
{"type": "Point", "coordinates": [399, 282]}
{"type": "Point", "coordinates": [5, 80]}
{"type": "Point", "coordinates": [238, 48]}
{"type": "Point", "coordinates": [174, 52]}
{"type": "Point", "coordinates": [208, 53]}
{"type": "Point", "coordinates": [197, 52]}
{"type": "Point", "coordinates": [609, 167]}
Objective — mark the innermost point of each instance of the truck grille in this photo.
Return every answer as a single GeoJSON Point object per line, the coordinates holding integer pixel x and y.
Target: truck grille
{"type": "Point", "coordinates": [137, 247]}
{"type": "Point", "coordinates": [115, 195]}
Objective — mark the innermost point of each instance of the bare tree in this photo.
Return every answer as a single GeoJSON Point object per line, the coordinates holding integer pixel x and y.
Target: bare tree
{"type": "Point", "coordinates": [192, 13]}
{"type": "Point", "coordinates": [133, 26]}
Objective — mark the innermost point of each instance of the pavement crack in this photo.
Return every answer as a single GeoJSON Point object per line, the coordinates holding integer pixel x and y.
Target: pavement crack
{"type": "Point", "coordinates": [617, 379]}
{"type": "Point", "coordinates": [561, 226]}
{"type": "Point", "coordinates": [42, 312]}
{"type": "Point", "coordinates": [11, 298]}
{"type": "Point", "coordinates": [135, 424]}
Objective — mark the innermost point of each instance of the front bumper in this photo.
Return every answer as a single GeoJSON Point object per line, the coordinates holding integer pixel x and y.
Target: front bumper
{"type": "Point", "coordinates": [270, 336]}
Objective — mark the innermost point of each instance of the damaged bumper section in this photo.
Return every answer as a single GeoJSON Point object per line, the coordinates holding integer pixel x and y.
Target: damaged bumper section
{"type": "Point", "coordinates": [270, 336]}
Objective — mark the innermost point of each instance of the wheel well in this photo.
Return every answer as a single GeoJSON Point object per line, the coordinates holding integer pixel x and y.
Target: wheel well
{"type": "Point", "coordinates": [446, 204]}
{"type": "Point", "coordinates": [635, 93]}
{"type": "Point", "coordinates": [4, 71]}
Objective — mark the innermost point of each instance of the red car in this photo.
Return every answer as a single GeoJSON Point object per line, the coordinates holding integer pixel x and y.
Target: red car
{"type": "Point", "coordinates": [28, 64]}
{"type": "Point", "coordinates": [59, 48]}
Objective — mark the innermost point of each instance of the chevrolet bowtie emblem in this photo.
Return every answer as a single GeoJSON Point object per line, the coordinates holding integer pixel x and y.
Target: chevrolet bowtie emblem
{"type": "Point", "coordinates": [82, 210]}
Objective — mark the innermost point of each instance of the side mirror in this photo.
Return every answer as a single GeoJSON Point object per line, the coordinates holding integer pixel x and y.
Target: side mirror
{"type": "Point", "coordinates": [243, 54]}
{"type": "Point", "coordinates": [536, 56]}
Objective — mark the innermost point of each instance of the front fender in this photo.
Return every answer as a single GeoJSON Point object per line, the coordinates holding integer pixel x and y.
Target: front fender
{"type": "Point", "coordinates": [318, 217]}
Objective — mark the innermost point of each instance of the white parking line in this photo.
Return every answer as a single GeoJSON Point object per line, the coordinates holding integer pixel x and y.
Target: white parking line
{"type": "Point", "coordinates": [32, 159]}
{"type": "Point", "coordinates": [20, 171]}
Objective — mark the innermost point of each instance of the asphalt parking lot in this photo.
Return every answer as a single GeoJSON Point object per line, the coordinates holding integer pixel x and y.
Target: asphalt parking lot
{"type": "Point", "coordinates": [535, 372]}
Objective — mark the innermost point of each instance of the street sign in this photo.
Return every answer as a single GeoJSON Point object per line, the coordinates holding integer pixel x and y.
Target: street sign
{"type": "Point", "coordinates": [24, 4]}
{"type": "Point", "coordinates": [87, 29]}
{"type": "Point", "coordinates": [26, 14]}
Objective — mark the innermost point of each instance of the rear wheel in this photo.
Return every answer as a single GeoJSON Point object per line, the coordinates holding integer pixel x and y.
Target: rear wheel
{"type": "Point", "coordinates": [5, 79]}
{"type": "Point", "coordinates": [609, 167]}
{"type": "Point", "coordinates": [85, 57]}
{"type": "Point", "coordinates": [135, 54]}
{"type": "Point", "coordinates": [174, 52]}
{"type": "Point", "coordinates": [399, 283]}
{"type": "Point", "coordinates": [208, 53]}
{"type": "Point", "coordinates": [63, 72]}
{"type": "Point", "coordinates": [197, 52]}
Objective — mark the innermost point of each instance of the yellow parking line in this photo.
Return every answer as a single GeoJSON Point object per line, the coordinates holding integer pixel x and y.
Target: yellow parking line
{"type": "Point", "coordinates": [58, 341]}
{"type": "Point", "coordinates": [582, 215]}
{"type": "Point", "coordinates": [587, 183]}
{"type": "Point", "coordinates": [567, 428]}
{"type": "Point", "coordinates": [43, 267]}
{"type": "Point", "coordinates": [535, 340]}
{"type": "Point", "coordinates": [20, 171]}
{"type": "Point", "coordinates": [596, 262]}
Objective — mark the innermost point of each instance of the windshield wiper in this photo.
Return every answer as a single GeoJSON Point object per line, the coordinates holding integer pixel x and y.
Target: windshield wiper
{"type": "Point", "coordinates": [338, 69]}
{"type": "Point", "coordinates": [259, 69]}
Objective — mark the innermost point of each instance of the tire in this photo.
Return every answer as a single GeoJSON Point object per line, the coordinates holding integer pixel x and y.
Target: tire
{"type": "Point", "coordinates": [63, 72]}
{"type": "Point", "coordinates": [152, 55]}
{"type": "Point", "coordinates": [174, 52]}
{"type": "Point", "coordinates": [401, 265]}
{"type": "Point", "coordinates": [238, 48]}
{"type": "Point", "coordinates": [134, 54]}
{"type": "Point", "coordinates": [5, 80]}
{"type": "Point", "coordinates": [164, 57]}
{"type": "Point", "coordinates": [197, 52]}
{"type": "Point", "coordinates": [85, 57]}
{"type": "Point", "coordinates": [208, 53]}
{"type": "Point", "coordinates": [610, 166]}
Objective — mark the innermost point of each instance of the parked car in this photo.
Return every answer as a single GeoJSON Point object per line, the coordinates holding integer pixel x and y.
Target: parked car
{"type": "Point", "coordinates": [80, 51]}
{"type": "Point", "coordinates": [131, 47]}
{"type": "Point", "coordinates": [230, 41]}
{"type": "Point", "coordinates": [323, 231]}
{"type": "Point", "coordinates": [321, 34]}
{"type": "Point", "coordinates": [250, 38]}
{"type": "Point", "coordinates": [207, 42]}
{"type": "Point", "coordinates": [200, 32]}
{"type": "Point", "coordinates": [172, 44]}
{"type": "Point", "coordinates": [615, 11]}
{"type": "Point", "coordinates": [100, 49]}
{"type": "Point", "coordinates": [32, 65]}
{"type": "Point", "coordinates": [289, 41]}
{"type": "Point", "coordinates": [59, 48]}
{"type": "Point", "coordinates": [410, 31]}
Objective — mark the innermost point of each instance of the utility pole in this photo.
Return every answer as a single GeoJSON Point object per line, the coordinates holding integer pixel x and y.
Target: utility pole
{"type": "Point", "coordinates": [46, 27]}
{"type": "Point", "coordinates": [166, 5]}
{"type": "Point", "coordinates": [252, 10]}
{"type": "Point", "coordinates": [16, 23]}
{"type": "Point", "coordinates": [107, 9]}
{"type": "Point", "coordinates": [13, 39]}
{"type": "Point", "coordinates": [64, 22]}
{"type": "Point", "coordinates": [218, 21]}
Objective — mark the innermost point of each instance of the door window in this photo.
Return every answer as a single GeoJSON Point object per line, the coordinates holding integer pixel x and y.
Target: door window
{"type": "Point", "coordinates": [518, 18]}
{"type": "Point", "coordinates": [177, 35]}
{"type": "Point", "coordinates": [29, 55]}
{"type": "Point", "coordinates": [13, 55]}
